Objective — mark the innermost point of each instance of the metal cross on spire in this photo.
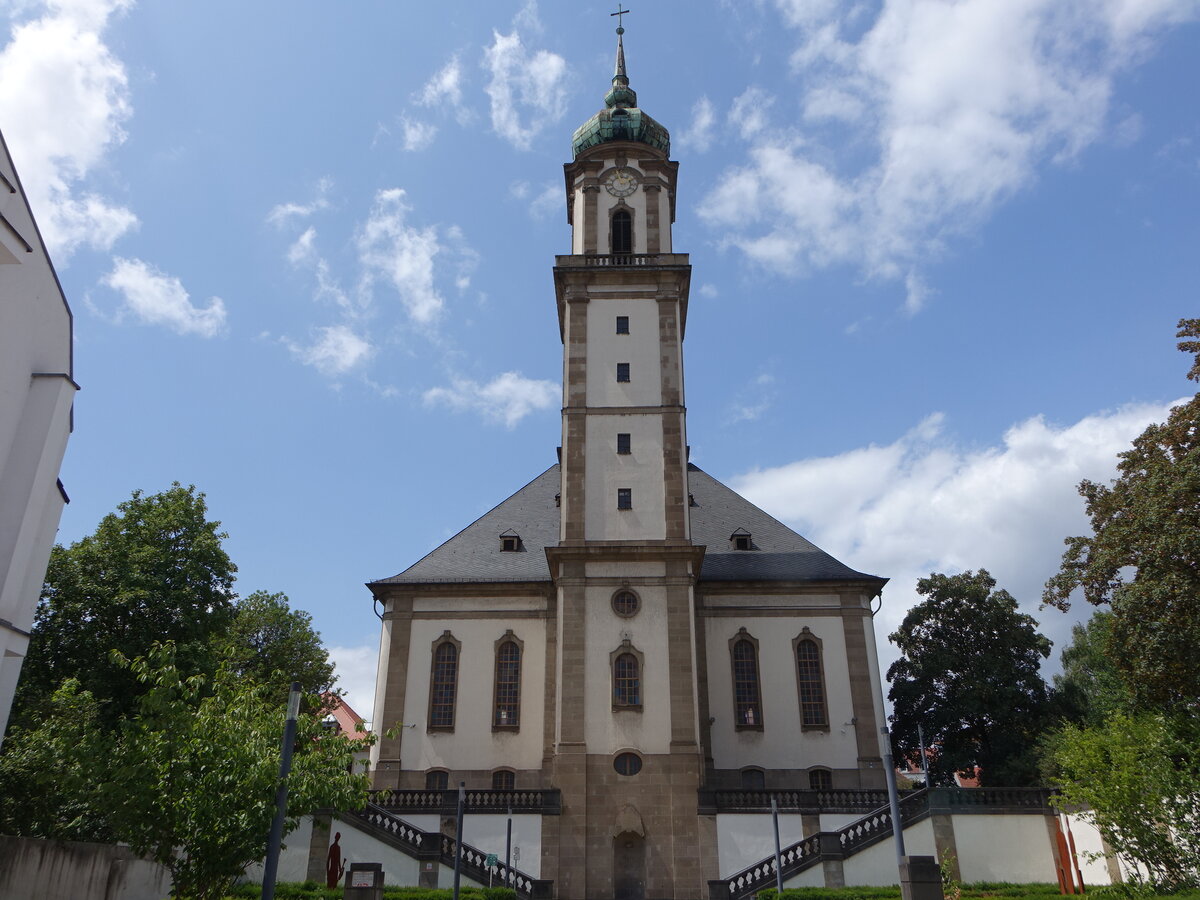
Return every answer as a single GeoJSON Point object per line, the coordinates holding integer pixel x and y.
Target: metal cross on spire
{"type": "Point", "coordinates": [620, 22]}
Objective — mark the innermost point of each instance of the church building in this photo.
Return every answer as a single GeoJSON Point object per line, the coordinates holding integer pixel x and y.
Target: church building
{"type": "Point", "coordinates": [625, 630]}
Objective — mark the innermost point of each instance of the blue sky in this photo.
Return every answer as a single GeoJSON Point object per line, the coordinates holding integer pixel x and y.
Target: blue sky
{"type": "Point", "coordinates": [939, 250]}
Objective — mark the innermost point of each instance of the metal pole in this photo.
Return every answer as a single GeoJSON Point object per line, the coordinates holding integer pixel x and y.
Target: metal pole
{"type": "Point", "coordinates": [462, 797]}
{"type": "Point", "coordinates": [778, 862]}
{"type": "Point", "coordinates": [271, 867]}
{"type": "Point", "coordinates": [889, 771]}
{"type": "Point", "coordinates": [508, 850]}
{"type": "Point", "coordinates": [924, 757]}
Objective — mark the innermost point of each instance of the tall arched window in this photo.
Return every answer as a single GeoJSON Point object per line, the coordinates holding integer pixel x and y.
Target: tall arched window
{"type": "Point", "coordinates": [811, 681]}
{"type": "Point", "coordinates": [622, 232]}
{"type": "Point", "coordinates": [627, 681]}
{"type": "Point", "coordinates": [507, 711]}
{"type": "Point", "coordinates": [747, 696]}
{"type": "Point", "coordinates": [443, 683]}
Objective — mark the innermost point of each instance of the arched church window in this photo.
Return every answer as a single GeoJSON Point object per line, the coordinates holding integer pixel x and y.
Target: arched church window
{"type": "Point", "coordinates": [443, 683]}
{"type": "Point", "coordinates": [627, 681]}
{"type": "Point", "coordinates": [622, 232]}
{"type": "Point", "coordinates": [507, 712]}
{"type": "Point", "coordinates": [810, 680]}
{"type": "Point", "coordinates": [747, 697]}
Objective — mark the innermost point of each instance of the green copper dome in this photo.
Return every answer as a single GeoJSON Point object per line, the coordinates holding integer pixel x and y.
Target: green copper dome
{"type": "Point", "coordinates": [620, 120]}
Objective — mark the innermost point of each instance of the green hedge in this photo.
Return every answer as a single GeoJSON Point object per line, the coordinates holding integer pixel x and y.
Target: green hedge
{"type": "Point", "coordinates": [310, 890]}
{"type": "Point", "coordinates": [977, 891]}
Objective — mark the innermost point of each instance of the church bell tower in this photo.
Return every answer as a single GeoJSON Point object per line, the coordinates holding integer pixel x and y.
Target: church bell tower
{"type": "Point", "coordinates": [626, 750]}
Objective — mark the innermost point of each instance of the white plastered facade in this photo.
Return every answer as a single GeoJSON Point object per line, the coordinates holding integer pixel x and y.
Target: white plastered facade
{"type": "Point", "coordinates": [36, 395]}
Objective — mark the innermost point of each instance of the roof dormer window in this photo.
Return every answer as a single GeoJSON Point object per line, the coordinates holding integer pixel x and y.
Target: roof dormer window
{"type": "Point", "coordinates": [741, 540]}
{"type": "Point", "coordinates": [510, 542]}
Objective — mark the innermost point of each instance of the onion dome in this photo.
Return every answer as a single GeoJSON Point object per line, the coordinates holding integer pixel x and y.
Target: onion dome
{"type": "Point", "coordinates": [620, 120]}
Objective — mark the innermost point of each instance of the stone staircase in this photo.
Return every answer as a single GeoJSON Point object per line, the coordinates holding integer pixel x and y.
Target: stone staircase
{"type": "Point", "coordinates": [872, 828]}
{"type": "Point", "coordinates": [389, 828]}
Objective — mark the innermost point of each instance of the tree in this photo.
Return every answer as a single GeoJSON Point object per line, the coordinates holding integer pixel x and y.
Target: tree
{"type": "Point", "coordinates": [968, 673]}
{"type": "Point", "coordinates": [274, 645]}
{"type": "Point", "coordinates": [1143, 556]}
{"type": "Point", "coordinates": [46, 789]}
{"type": "Point", "coordinates": [1090, 686]}
{"type": "Point", "coordinates": [190, 780]}
{"type": "Point", "coordinates": [1139, 775]}
{"type": "Point", "coordinates": [152, 571]}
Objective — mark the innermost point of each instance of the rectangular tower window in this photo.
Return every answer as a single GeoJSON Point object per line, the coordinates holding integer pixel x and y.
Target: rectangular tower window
{"type": "Point", "coordinates": [622, 324]}
{"type": "Point", "coordinates": [624, 498]}
{"type": "Point", "coordinates": [622, 371]}
{"type": "Point", "coordinates": [623, 443]}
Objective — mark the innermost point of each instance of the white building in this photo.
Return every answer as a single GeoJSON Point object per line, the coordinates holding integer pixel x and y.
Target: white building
{"type": "Point", "coordinates": [37, 390]}
{"type": "Point", "coordinates": [625, 630]}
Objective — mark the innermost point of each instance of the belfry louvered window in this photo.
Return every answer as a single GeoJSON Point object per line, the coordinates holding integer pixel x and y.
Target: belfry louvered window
{"type": "Point", "coordinates": [508, 685]}
{"type": "Point", "coordinates": [747, 700]}
{"type": "Point", "coordinates": [811, 683]}
{"type": "Point", "coordinates": [443, 687]}
{"type": "Point", "coordinates": [622, 232]}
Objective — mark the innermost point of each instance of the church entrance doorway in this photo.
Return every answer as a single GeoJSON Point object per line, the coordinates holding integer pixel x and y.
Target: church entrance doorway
{"type": "Point", "coordinates": [629, 866]}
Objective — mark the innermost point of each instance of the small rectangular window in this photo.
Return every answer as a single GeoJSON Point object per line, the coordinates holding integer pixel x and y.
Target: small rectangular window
{"type": "Point", "coordinates": [622, 371]}
{"type": "Point", "coordinates": [623, 444]}
{"type": "Point", "coordinates": [622, 324]}
{"type": "Point", "coordinates": [624, 498]}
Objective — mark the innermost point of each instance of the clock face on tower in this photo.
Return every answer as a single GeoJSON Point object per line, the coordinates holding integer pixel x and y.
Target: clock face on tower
{"type": "Point", "coordinates": [621, 183]}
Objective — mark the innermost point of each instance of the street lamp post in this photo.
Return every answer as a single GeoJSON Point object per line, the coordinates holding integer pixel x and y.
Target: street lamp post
{"type": "Point", "coordinates": [271, 868]}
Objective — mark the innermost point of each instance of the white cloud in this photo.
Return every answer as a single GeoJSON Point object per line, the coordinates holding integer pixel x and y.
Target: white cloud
{"type": "Point", "coordinates": [155, 298]}
{"type": "Point", "coordinates": [355, 668]}
{"type": "Point", "coordinates": [963, 104]}
{"type": "Point", "coordinates": [64, 98]}
{"type": "Point", "coordinates": [302, 249]}
{"type": "Point", "coordinates": [417, 135]}
{"type": "Point", "coordinates": [923, 504]}
{"type": "Point", "coordinates": [547, 202]}
{"type": "Point", "coordinates": [444, 87]}
{"type": "Point", "coordinates": [403, 255]}
{"type": "Point", "coordinates": [527, 90]}
{"type": "Point", "coordinates": [507, 398]}
{"type": "Point", "coordinates": [336, 350]}
{"type": "Point", "coordinates": [282, 214]}
{"type": "Point", "coordinates": [916, 292]}
{"type": "Point", "coordinates": [749, 111]}
{"type": "Point", "coordinates": [699, 135]}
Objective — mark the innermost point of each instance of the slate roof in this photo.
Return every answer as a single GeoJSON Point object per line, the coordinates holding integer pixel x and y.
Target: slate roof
{"type": "Point", "coordinates": [779, 554]}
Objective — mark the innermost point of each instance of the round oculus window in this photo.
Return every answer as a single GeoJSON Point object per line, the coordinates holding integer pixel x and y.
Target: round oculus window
{"type": "Point", "coordinates": [625, 603]}
{"type": "Point", "coordinates": [627, 763]}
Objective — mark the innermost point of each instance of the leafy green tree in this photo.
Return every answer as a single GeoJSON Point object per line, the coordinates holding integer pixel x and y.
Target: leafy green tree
{"type": "Point", "coordinates": [46, 789]}
{"type": "Point", "coordinates": [1143, 556]}
{"type": "Point", "coordinates": [189, 781]}
{"type": "Point", "coordinates": [1140, 777]}
{"type": "Point", "coordinates": [968, 673]}
{"type": "Point", "coordinates": [1090, 686]}
{"type": "Point", "coordinates": [152, 571]}
{"type": "Point", "coordinates": [275, 645]}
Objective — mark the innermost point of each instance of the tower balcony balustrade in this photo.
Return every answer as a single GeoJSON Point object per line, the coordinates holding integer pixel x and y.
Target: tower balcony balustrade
{"type": "Point", "coordinates": [621, 260]}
